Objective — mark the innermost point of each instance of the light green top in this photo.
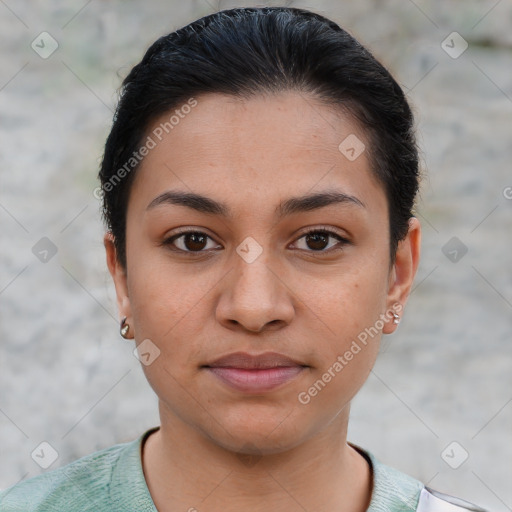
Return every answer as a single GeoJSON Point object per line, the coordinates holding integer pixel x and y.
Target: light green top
{"type": "Point", "coordinates": [112, 480]}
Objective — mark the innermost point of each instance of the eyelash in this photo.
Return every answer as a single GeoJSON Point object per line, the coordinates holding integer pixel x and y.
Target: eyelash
{"type": "Point", "coordinates": [323, 230]}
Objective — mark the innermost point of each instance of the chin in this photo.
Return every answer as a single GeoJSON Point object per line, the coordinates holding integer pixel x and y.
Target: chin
{"type": "Point", "coordinates": [256, 430]}
{"type": "Point", "coordinates": [257, 444]}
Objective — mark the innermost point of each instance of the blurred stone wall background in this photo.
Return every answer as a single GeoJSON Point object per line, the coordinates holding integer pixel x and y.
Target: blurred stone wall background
{"type": "Point", "coordinates": [439, 402]}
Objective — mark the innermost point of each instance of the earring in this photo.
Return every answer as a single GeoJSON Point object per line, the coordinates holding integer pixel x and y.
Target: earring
{"type": "Point", "coordinates": [396, 319]}
{"type": "Point", "coordinates": [124, 328]}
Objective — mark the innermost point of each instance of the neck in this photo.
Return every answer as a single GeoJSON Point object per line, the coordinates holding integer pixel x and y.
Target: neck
{"type": "Point", "coordinates": [186, 470]}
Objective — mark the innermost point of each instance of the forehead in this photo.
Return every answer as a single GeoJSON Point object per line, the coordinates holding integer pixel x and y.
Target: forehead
{"type": "Point", "coordinates": [256, 151]}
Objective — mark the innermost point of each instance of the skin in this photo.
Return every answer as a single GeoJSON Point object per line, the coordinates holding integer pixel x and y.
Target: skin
{"type": "Point", "coordinates": [304, 303]}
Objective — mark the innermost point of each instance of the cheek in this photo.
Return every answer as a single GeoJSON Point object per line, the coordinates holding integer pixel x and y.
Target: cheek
{"type": "Point", "coordinates": [346, 351]}
{"type": "Point", "coordinates": [172, 306]}
{"type": "Point", "coordinates": [160, 293]}
{"type": "Point", "coordinates": [165, 309]}
{"type": "Point", "coordinates": [349, 300]}
{"type": "Point", "coordinates": [348, 311]}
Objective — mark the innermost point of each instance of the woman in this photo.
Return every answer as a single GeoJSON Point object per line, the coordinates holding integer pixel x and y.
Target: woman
{"type": "Point", "coordinates": [258, 181]}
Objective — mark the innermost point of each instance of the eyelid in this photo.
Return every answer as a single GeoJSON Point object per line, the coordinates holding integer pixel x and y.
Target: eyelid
{"type": "Point", "coordinates": [328, 229]}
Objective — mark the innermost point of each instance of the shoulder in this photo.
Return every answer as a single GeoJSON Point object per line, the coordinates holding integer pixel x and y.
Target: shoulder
{"type": "Point", "coordinates": [395, 491]}
{"type": "Point", "coordinates": [83, 485]}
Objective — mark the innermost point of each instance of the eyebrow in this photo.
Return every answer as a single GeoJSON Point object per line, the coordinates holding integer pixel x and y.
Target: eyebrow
{"type": "Point", "coordinates": [290, 206]}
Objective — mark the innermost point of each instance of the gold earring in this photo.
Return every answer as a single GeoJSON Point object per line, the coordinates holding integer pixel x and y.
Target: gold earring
{"type": "Point", "coordinates": [124, 328]}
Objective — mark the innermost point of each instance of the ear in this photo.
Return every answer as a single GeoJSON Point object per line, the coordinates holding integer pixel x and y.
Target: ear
{"type": "Point", "coordinates": [118, 273]}
{"type": "Point", "coordinates": [403, 271]}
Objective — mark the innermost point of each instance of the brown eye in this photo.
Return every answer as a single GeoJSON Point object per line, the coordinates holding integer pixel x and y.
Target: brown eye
{"type": "Point", "coordinates": [189, 241]}
{"type": "Point", "coordinates": [318, 241]}
{"type": "Point", "coordinates": [194, 241]}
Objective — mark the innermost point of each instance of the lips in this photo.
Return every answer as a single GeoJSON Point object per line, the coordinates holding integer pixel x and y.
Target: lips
{"type": "Point", "coordinates": [255, 373]}
{"type": "Point", "coordinates": [247, 361]}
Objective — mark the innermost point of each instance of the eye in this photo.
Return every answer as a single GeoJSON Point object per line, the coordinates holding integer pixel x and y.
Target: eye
{"type": "Point", "coordinates": [189, 241]}
{"type": "Point", "coordinates": [317, 240]}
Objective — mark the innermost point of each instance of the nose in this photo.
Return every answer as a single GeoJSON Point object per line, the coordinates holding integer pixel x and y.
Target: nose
{"type": "Point", "coordinates": [255, 298]}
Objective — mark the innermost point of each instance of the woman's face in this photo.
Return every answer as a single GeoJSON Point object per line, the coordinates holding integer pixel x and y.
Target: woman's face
{"type": "Point", "coordinates": [253, 280]}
